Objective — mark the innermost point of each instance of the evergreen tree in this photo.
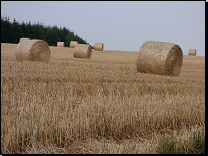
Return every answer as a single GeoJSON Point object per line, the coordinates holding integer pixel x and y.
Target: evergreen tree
{"type": "Point", "coordinates": [28, 27]}
{"type": "Point", "coordinates": [6, 34]}
{"type": "Point", "coordinates": [16, 32]}
{"type": "Point", "coordinates": [23, 31]}
{"type": "Point", "coordinates": [12, 32]}
{"type": "Point", "coordinates": [68, 39]}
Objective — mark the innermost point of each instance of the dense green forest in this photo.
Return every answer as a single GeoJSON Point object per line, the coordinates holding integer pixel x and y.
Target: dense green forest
{"type": "Point", "coordinates": [11, 32]}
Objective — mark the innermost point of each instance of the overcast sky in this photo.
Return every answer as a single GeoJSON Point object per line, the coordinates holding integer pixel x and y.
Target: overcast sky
{"type": "Point", "coordinates": [120, 25]}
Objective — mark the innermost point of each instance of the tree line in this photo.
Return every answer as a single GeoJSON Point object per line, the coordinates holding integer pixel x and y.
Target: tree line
{"type": "Point", "coordinates": [11, 32]}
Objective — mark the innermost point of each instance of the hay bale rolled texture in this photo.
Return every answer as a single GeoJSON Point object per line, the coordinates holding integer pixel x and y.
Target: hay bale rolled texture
{"type": "Point", "coordinates": [73, 44]}
{"type": "Point", "coordinates": [160, 58]}
{"type": "Point", "coordinates": [33, 50]}
{"type": "Point", "coordinates": [192, 52]}
{"type": "Point", "coordinates": [60, 44]}
{"type": "Point", "coordinates": [98, 46]}
{"type": "Point", "coordinates": [24, 38]}
{"type": "Point", "coordinates": [82, 51]}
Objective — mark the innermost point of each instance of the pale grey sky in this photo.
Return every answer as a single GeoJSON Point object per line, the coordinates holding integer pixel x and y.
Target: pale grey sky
{"type": "Point", "coordinates": [120, 25]}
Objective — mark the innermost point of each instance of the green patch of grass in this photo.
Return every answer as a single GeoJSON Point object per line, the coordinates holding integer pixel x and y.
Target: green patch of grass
{"type": "Point", "coordinates": [168, 144]}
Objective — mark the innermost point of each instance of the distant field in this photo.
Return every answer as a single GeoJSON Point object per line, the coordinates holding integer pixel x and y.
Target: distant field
{"type": "Point", "coordinates": [98, 105]}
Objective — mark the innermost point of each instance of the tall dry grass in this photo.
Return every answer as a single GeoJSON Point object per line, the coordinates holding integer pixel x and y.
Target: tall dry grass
{"type": "Point", "coordinates": [101, 105]}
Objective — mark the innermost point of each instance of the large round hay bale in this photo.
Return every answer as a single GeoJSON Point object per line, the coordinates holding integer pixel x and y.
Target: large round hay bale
{"type": "Point", "coordinates": [33, 50]}
{"type": "Point", "coordinates": [160, 58]}
{"type": "Point", "coordinates": [60, 44]}
{"type": "Point", "coordinates": [73, 44]}
{"type": "Point", "coordinates": [24, 38]}
{"type": "Point", "coordinates": [192, 52]}
{"type": "Point", "coordinates": [98, 46]}
{"type": "Point", "coordinates": [82, 51]}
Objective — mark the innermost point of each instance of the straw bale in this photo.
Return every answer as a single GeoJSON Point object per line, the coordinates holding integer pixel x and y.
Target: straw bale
{"type": "Point", "coordinates": [73, 44]}
{"type": "Point", "coordinates": [98, 46]}
{"type": "Point", "coordinates": [33, 50]}
{"type": "Point", "coordinates": [160, 58]}
{"type": "Point", "coordinates": [82, 51]}
{"type": "Point", "coordinates": [192, 52]}
{"type": "Point", "coordinates": [24, 38]}
{"type": "Point", "coordinates": [60, 44]}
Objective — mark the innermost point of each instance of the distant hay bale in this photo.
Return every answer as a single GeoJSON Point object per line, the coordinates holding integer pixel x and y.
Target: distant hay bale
{"type": "Point", "coordinates": [192, 52]}
{"type": "Point", "coordinates": [98, 46]}
{"type": "Point", "coordinates": [24, 38]}
{"type": "Point", "coordinates": [82, 51]}
{"type": "Point", "coordinates": [160, 58]}
{"type": "Point", "coordinates": [60, 44]}
{"type": "Point", "coordinates": [73, 44]}
{"type": "Point", "coordinates": [33, 50]}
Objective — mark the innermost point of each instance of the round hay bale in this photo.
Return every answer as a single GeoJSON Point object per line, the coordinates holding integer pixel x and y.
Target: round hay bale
{"type": "Point", "coordinates": [24, 38]}
{"type": "Point", "coordinates": [160, 58]}
{"type": "Point", "coordinates": [192, 52]}
{"type": "Point", "coordinates": [82, 51]}
{"type": "Point", "coordinates": [33, 50]}
{"type": "Point", "coordinates": [73, 44]}
{"type": "Point", "coordinates": [98, 46]}
{"type": "Point", "coordinates": [60, 44]}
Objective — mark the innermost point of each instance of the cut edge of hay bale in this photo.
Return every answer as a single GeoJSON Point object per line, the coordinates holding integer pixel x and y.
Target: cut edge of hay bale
{"type": "Point", "coordinates": [161, 58]}
{"type": "Point", "coordinates": [192, 52]}
{"type": "Point", "coordinates": [73, 44]}
{"type": "Point", "coordinates": [83, 51]}
{"type": "Point", "coordinates": [33, 50]}
{"type": "Point", "coordinates": [98, 46]}
{"type": "Point", "coordinates": [60, 44]}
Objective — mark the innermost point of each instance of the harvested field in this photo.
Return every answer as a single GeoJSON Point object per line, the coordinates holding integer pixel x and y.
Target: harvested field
{"type": "Point", "coordinates": [98, 105]}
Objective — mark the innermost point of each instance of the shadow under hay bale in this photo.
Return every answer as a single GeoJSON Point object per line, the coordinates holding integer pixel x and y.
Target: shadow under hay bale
{"type": "Point", "coordinates": [60, 44]}
{"type": "Point", "coordinates": [192, 52]}
{"type": "Point", "coordinates": [73, 44]}
{"type": "Point", "coordinates": [33, 50]}
{"type": "Point", "coordinates": [161, 58]}
{"type": "Point", "coordinates": [83, 51]}
{"type": "Point", "coordinates": [98, 46]}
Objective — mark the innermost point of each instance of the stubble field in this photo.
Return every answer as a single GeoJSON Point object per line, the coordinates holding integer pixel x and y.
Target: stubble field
{"type": "Point", "coordinates": [99, 105]}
